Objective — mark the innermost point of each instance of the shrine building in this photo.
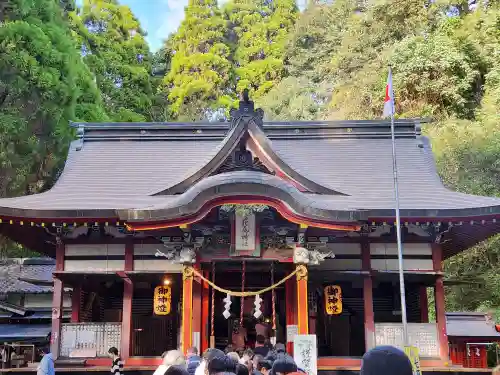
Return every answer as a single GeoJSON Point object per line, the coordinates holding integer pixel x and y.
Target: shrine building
{"type": "Point", "coordinates": [179, 234]}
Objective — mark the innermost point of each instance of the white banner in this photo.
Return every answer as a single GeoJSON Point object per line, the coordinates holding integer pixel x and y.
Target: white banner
{"type": "Point", "coordinates": [305, 353]}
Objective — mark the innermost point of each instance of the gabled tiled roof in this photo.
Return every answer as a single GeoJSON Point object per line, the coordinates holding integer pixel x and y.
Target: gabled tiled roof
{"type": "Point", "coordinates": [22, 278]}
{"type": "Point", "coordinates": [129, 171]}
{"type": "Point", "coordinates": [470, 324]}
{"type": "Point", "coordinates": [123, 167]}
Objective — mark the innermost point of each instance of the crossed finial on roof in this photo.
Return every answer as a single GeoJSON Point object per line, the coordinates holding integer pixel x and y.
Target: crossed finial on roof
{"type": "Point", "coordinates": [247, 109]}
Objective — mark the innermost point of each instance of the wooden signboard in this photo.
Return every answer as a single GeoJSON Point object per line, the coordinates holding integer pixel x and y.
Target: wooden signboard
{"type": "Point", "coordinates": [333, 300]}
{"type": "Point", "coordinates": [162, 300]}
{"type": "Point", "coordinates": [245, 236]}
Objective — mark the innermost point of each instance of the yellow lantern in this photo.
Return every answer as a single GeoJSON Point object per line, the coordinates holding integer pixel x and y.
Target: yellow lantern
{"type": "Point", "coordinates": [333, 300]}
{"type": "Point", "coordinates": [162, 300]}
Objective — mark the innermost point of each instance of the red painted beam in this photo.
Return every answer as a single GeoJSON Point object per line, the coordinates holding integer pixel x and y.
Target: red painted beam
{"type": "Point", "coordinates": [205, 312]}
{"type": "Point", "coordinates": [197, 317]}
{"type": "Point", "coordinates": [75, 304]}
{"type": "Point", "coordinates": [291, 311]}
{"type": "Point", "coordinates": [57, 302]}
{"type": "Point", "coordinates": [187, 312]}
{"type": "Point", "coordinates": [281, 207]}
{"type": "Point", "coordinates": [128, 293]}
{"type": "Point", "coordinates": [437, 258]}
{"type": "Point", "coordinates": [441, 319]}
{"type": "Point", "coordinates": [424, 305]}
{"type": "Point", "coordinates": [368, 297]}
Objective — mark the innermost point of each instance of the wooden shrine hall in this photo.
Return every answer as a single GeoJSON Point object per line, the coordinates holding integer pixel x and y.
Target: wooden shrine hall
{"type": "Point", "coordinates": [207, 234]}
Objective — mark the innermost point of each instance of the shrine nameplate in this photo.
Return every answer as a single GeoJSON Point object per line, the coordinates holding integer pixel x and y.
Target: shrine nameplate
{"type": "Point", "coordinates": [333, 300]}
{"type": "Point", "coordinates": [245, 237]}
{"type": "Point", "coordinates": [162, 300]}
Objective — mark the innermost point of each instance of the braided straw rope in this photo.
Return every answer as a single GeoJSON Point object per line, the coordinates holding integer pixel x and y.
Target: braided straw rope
{"type": "Point", "coordinates": [300, 269]}
{"type": "Point", "coordinates": [244, 271]}
{"type": "Point", "coordinates": [273, 298]}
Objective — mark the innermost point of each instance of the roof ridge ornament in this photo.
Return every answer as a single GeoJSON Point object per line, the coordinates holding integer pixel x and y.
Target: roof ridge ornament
{"type": "Point", "coordinates": [80, 134]}
{"type": "Point", "coordinates": [246, 109]}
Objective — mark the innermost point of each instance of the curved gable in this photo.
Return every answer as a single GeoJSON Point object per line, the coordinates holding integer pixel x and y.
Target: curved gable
{"type": "Point", "coordinates": [246, 147]}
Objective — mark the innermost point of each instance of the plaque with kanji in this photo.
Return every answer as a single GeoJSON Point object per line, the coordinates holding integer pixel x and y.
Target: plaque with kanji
{"type": "Point", "coordinates": [333, 300]}
{"type": "Point", "coordinates": [245, 236]}
{"type": "Point", "coordinates": [162, 300]}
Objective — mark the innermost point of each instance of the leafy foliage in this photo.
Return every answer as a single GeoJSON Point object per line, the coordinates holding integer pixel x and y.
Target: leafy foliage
{"type": "Point", "coordinates": [43, 85]}
{"type": "Point", "coordinates": [113, 46]}
{"type": "Point", "coordinates": [258, 32]}
{"type": "Point", "coordinates": [200, 70]}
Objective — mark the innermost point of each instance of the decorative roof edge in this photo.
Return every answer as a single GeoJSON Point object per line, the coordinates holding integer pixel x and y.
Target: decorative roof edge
{"type": "Point", "coordinates": [95, 132]}
{"type": "Point", "coordinates": [246, 128]}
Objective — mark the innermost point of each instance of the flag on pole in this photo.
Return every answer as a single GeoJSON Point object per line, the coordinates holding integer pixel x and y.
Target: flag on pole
{"type": "Point", "coordinates": [389, 97]}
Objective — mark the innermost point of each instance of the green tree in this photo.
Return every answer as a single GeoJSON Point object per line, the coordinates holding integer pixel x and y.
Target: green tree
{"type": "Point", "coordinates": [43, 85]}
{"type": "Point", "coordinates": [113, 46]}
{"type": "Point", "coordinates": [200, 76]}
{"type": "Point", "coordinates": [316, 37]}
{"type": "Point", "coordinates": [258, 32]}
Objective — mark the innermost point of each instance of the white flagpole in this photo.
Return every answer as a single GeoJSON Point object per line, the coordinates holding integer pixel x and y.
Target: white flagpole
{"type": "Point", "coordinates": [398, 220]}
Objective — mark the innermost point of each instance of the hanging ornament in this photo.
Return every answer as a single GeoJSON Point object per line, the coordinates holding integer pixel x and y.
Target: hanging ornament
{"type": "Point", "coordinates": [227, 306]}
{"type": "Point", "coordinates": [257, 303]}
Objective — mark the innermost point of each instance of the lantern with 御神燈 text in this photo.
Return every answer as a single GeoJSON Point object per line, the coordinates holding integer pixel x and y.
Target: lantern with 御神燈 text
{"type": "Point", "coordinates": [333, 300]}
{"type": "Point", "coordinates": [162, 300]}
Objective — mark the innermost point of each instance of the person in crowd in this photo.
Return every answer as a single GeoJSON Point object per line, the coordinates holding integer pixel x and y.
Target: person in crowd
{"type": "Point", "coordinates": [176, 370]}
{"type": "Point", "coordinates": [271, 356]}
{"type": "Point", "coordinates": [242, 370]}
{"type": "Point", "coordinates": [193, 360]}
{"type": "Point", "coordinates": [385, 360]}
{"type": "Point", "coordinates": [220, 364]}
{"type": "Point", "coordinates": [239, 337]}
{"type": "Point", "coordinates": [496, 371]}
{"type": "Point", "coordinates": [260, 346]}
{"type": "Point", "coordinates": [46, 366]}
{"type": "Point", "coordinates": [246, 359]}
{"type": "Point", "coordinates": [283, 365]}
{"type": "Point", "coordinates": [262, 328]}
{"type": "Point", "coordinates": [263, 367]}
{"type": "Point", "coordinates": [280, 348]}
{"type": "Point", "coordinates": [4, 356]}
{"type": "Point", "coordinates": [255, 363]}
{"type": "Point", "coordinates": [171, 358]}
{"type": "Point", "coordinates": [234, 356]}
{"type": "Point", "coordinates": [117, 364]}
{"type": "Point", "coordinates": [207, 356]}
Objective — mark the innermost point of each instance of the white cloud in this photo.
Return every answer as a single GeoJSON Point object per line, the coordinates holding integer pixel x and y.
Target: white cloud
{"type": "Point", "coordinates": [171, 19]}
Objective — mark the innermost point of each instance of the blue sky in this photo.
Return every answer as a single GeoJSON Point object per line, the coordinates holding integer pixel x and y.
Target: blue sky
{"type": "Point", "coordinates": [160, 17]}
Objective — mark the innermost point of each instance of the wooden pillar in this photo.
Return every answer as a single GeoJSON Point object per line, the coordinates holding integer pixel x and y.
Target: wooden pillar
{"type": "Point", "coordinates": [291, 311]}
{"type": "Point", "coordinates": [441, 319]}
{"type": "Point", "coordinates": [128, 293]}
{"type": "Point", "coordinates": [368, 296]}
{"type": "Point", "coordinates": [187, 308]}
{"type": "Point", "coordinates": [437, 258]}
{"type": "Point", "coordinates": [197, 322]}
{"type": "Point", "coordinates": [57, 302]}
{"type": "Point", "coordinates": [75, 304]}
{"type": "Point", "coordinates": [424, 305]}
{"type": "Point", "coordinates": [205, 312]}
{"type": "Point", "coordinates": [302, 305]}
